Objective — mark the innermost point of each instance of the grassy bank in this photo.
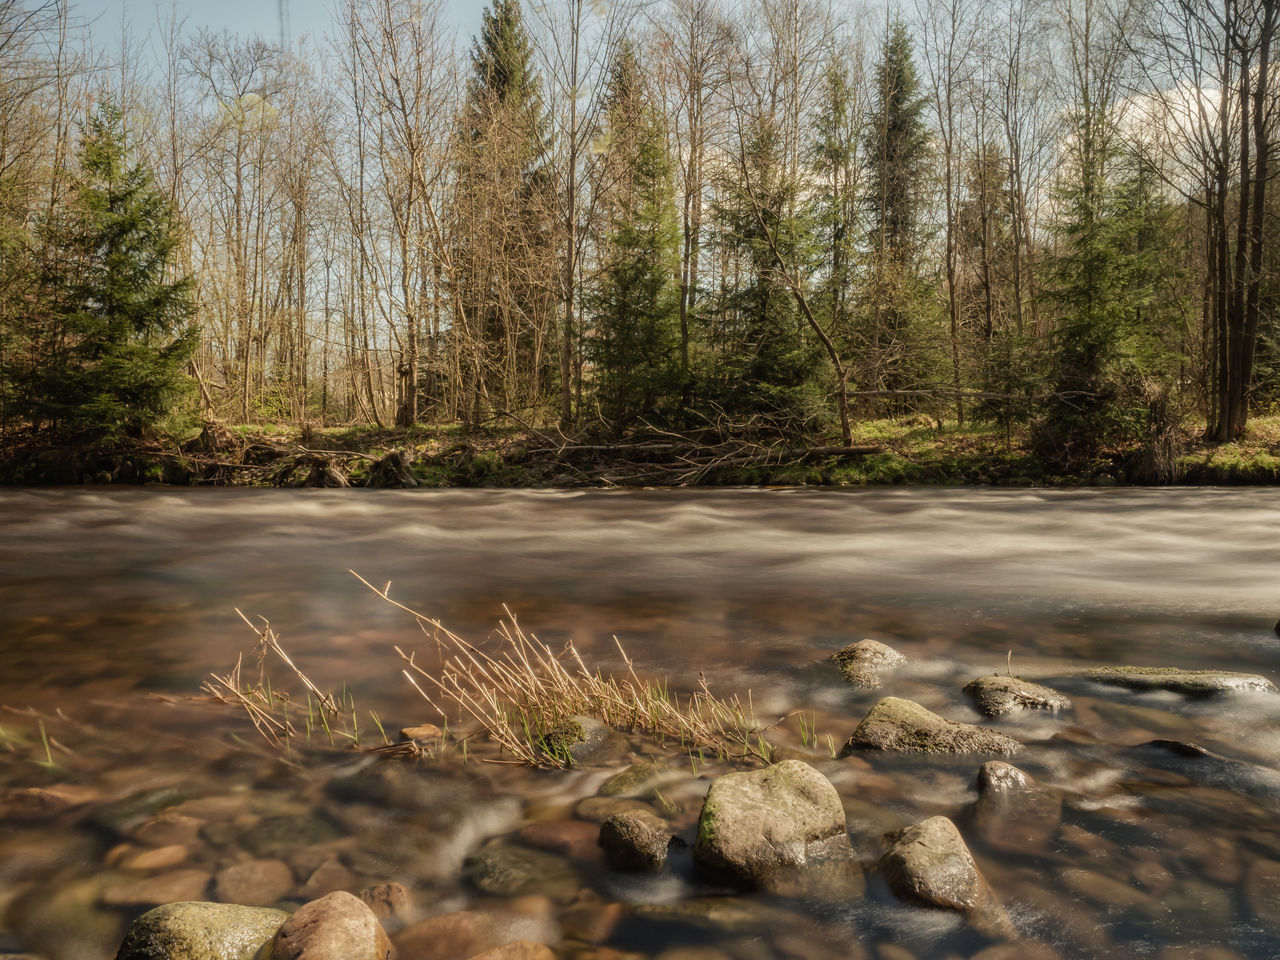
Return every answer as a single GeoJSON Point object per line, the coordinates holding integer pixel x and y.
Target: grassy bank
{"type": "Point", "coordinates": [914, 450]}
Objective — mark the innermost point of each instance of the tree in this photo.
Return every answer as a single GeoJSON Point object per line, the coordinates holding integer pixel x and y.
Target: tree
{"type": "Point", "coordinates": [635, 302]}
{"type": "Point", "coordinates": [108, 337]}
{"type": "Point", "coordinates": [898, 177]}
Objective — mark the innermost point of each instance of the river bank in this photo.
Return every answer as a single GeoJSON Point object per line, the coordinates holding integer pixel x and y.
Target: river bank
{"type": "Point", "coordinates": [914, 450]}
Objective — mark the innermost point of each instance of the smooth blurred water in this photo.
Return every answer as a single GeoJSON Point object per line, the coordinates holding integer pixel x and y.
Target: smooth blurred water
{"type": "Point", "coordinates": [109, 596]}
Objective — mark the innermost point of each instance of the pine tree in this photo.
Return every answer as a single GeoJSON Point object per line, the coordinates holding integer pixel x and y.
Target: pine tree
{"type": "Point", "coordinates": [105, 341]}
{"type": "Point", "coordinates": [635, 303]}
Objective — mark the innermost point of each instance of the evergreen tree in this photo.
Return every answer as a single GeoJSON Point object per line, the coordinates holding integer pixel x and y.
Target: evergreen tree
{"type": "Point", "coordinates": [104, 342]}
{"type": "Point", "coordinates": [1111, 286]}
{"type": "Point", "coordinates": [897, 161]}
{"type": "Point", "coordinates": [635, 301]}
{"type": "Point", "coordinates": [502, 211]}
{"type": "Point", "coordinates": [770, 368]}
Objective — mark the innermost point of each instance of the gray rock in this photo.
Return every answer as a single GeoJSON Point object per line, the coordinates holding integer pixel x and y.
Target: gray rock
{"type": "Point", "coordinates": [278, 836]}
{"type": "Point", "coordinates": [636, 841]}
{"type": "Point", "coordinates": [510, 871]}
{"type": "Point", "coordinates": [997, 694]}
{"type": "Point", "coordinates": [1194, 683]}
{"type": "Point", "coordinates": [862, 663]}
{"type": "Point", "coordinates": [998, 777]}
{"type": "Point", "coordinates": [757, 824]}
{"type": "Point", "coordinates": [641, 779]}
{"type": "Point", "coordinates": [200, 931]}
{"type": "Point", "coordinates": [907, 727]}
{"type": "Point", "coordinates": [337, 927]}
{"type": "Point", "coordinates": [930, 865]}
{"type": "Point", "coordinates": [580, 740]}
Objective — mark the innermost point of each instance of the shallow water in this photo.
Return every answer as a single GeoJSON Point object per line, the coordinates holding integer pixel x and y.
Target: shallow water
{"type": "Point", "coordinates": [115, 604]}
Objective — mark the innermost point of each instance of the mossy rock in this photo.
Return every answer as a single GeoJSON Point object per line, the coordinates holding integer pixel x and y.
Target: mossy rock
{"type": "Point", "coordinates": [904, 726]}
{"type": "Point", "coordinates": [641, 779]}
{"type": "Point", "coordinates": [191, 930]}
{"type": "Point", "coordinates": [862, 663]}
{"type": "Point", "coordinates": [1195, 683]}
{"type": "Point", "coordinates": [581, 740]}
{"type": "Point", "coordinates": [997, 694]}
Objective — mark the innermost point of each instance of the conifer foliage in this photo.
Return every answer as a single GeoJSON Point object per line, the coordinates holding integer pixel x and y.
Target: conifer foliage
{"type": "Point", "coordinates": [104, 342]}
{"type": "Point", "coordinates": [635, 302]}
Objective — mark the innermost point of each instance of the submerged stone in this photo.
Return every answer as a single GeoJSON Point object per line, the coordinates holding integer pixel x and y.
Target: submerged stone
{"type": "Point", "coordinates": [862, 663]}
{"type": "Point", "coordinates": [510, 871]}
{"type": "Point", "coordinates": [1195, 683]}
{"type": "Point", "coordinates": [636, 841]}
{"type": "Point", "coordinates": [1013, 813]}
{"type": "Point", "coordinates": [641, 779]}
{"type": "Point", "coordinates": [905, 726]}
{"type": "Point", "coordinates": [996, 695]}
{"type": "Point", "coordinates": [200, 931]}
{"type": "Point", "coordinates": [580, 740]}
{"type": "Point", "coordinates": [930, 865]}
{"type": "Point", "coordinates": [757, 824]}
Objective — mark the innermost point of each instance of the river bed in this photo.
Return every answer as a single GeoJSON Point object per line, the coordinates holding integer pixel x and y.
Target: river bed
{"type": "Point", "coordinates": [116, 604]}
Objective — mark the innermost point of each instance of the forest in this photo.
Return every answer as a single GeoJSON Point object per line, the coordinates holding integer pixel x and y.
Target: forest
{"type": "Point", "coordinates": [1049, 220]}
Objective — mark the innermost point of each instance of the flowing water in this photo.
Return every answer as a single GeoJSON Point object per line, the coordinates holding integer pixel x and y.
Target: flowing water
{"type": "Point", "coordinates": [116, 604]}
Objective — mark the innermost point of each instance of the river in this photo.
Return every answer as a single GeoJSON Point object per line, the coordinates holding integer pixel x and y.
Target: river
{"type": "Point", "coordinates": [115, 604]}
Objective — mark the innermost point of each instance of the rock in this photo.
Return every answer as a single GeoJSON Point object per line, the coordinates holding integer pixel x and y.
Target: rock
{"type": "Point", "coordinates": [61, 920]}
{"type": "Point", "coordinates": [389, 901]}
{"type": "Point", "coordinates": [575, 839]}
{"type": "Point", "coordinates": [1012, 812]}
{"type": "Point", "coordinates": [996, 776]}
{"type": "Point", "coordinates": [168, 829]}
{"type": "Point", "coordinates": [636, 841]}
{"type": "Point", "coordinates": [330, 877]}
{"type": "Point", "coordinates": [200, 931]}
{"type": "Point", "coordinates": [1262, 891]}
{"type": "Point", "coordinates": [277, 836]}
{"type": "Point", "coordinates": [158, 858]}
{"type": "Point", "coordinates": [43, 803]}
{"type": "Point", "coordinates": [600, 809]}
{"type": "Point", "coordinates": [930, 865]}
{"type": "Point", "coordinates": [996, 695]}
{"type": "Point", "coordinates": [518, 950]}
{"type": "Point", "coordinates": [905, 726]}
{"type": "Point", "coordinates": [465, 933]}
{"type": "Point", "coordinates": [1194, 683]}
{"type": "Point", "coordinates": [124, 816]}
{"type": "Point", "coordinates": [580, 740]}
{"type": "Point", "coordinates": [508, 871]}
{"type": "Point", "coordinates": [255, 883]}
{"type": "Point", "coordinates": [337, 927]}
{"type": "Point", "coordinates": [754, 825]}
{"type": "Point", "coordinates": [720, 915]}
{"type": "Point", "coordinates": [862, 663]}
{"type": "Point", "coordinates": [641, 779]}
{"type": "Point", "coordinates": [425, 733]}
{"type": "Point", "coordinates": [160, 888]}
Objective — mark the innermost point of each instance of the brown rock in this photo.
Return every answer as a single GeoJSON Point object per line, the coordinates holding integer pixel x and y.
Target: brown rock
{"type": "Point", "coordinates": [153, 891]}
{"type": "Point", "coordinates": [389, 901]}
{"type": "Point", "coordinates": [636, 841]}
{"type": "Point", "coordinates": [42, 803]}
{"type": "Point", "coordinates": [168, 829]}
{"type": "Point", "coordinates": [569, 838]}
{"type": "Point", "coordinates": [156, 858]}
{"type": "Point", "coordinates": [518, 950]}
{"type": "Point", "coordinates": [422, 733]}
{"type": "Point", "coordinates": [330, 877]}
{"type": "Point", "coordinates": [457, 936]}
{"type": "Point", "coordinates": [254, 883]}
{"type": "Point", "coordinates": [337, 927]}
{"type": "Point", "coordinates": [591, 921]}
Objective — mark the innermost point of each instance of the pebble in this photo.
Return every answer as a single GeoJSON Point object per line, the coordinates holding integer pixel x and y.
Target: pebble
{"type": "Point", "coordinates": [160, 888]}
{"type": "Point", "coordinates": [465, 933]}
{"type": "Point", "coordinates": [576, 839]}
{"type": "Point", "coordinates": [156, 858]}
{"type": "Point", "coordinates": [254, 883]}
{"type": "Point", "coordinates": [389, 901]}
{"type": "Point", "coordinates": [168, 829]}
{"type": "Point", "coordinates": [330, 877]}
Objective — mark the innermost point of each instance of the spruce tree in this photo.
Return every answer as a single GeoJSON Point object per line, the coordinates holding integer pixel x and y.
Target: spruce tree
{"type": "Point", "coordinates": [770, 371]}
{"type": "Point", "coordinates": [105, 341]}
{"type": "Point", "coordinates": [897, 159]}
{"type": "Point", "coordinates": [633, 346]}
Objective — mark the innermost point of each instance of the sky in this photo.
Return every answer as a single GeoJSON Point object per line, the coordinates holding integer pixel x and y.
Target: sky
{"type": "Point", "coordinates": [238, 16]}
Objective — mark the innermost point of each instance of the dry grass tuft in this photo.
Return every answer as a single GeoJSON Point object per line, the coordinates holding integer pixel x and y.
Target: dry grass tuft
{"type": "Point", "coordinates": [524, 689]}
